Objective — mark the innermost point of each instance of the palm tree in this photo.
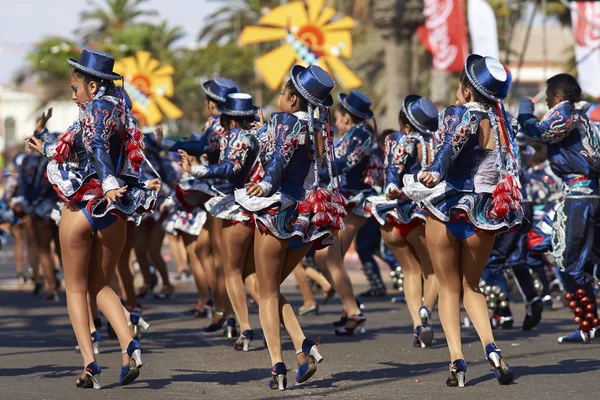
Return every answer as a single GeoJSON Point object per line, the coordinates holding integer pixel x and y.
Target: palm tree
{"type": "Point", "coordinates": [397, 21]}
{"type": "Point", "coordinates": [161, 40]}
{"type": "Point", "coordinates": [226, 23]}
{"type": "Point", "coordinates": [112, 15]}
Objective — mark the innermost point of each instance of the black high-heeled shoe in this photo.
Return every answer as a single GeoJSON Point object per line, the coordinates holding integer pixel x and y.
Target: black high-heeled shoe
{"type": "Point", "coordinates": [92, 375]}
{"type": "Point", "coordinates": [458, 370]}
{"type": "Point", "coordinates": [278, 377]}
{"type": "Point", "coordinates": [353, 323]}
{"type": "Point", "coordinates": [342, 321]}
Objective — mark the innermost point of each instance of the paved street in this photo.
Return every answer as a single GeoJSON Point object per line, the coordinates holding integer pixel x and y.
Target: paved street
{"type": "Point", "coordinates": [37, 360]}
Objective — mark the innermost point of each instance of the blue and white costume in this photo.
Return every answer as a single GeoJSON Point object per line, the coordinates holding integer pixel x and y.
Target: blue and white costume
{"type": "Point", "coordinates": [287, 210]}
{"type": "Point", "coordinates": [237, 162]}
{"type": "Point", "coordinates": [468, 173]}
{"type": "Point", "coordinates": [574, 155]}
{"type": "Point", "coordinates": [100, 152]}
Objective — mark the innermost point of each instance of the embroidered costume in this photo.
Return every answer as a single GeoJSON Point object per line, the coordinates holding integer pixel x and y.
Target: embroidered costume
{"type": "Point", "coordinates": [287, 210]}
{"type": "Point", "coordinates": [574, 155]}
{"type": "Point", "coordinates": [100, 152]}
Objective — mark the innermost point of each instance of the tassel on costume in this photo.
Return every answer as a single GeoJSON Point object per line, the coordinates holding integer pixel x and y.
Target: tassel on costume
{"type": "Point", "coordinates": [64, 150]}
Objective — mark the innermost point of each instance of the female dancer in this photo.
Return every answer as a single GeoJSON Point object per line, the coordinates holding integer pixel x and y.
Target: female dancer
{"type": "Point", "coordinates": [209, 251]}
{"type": "Point", "coordinates": [285, 224]}
{"type": "Point", "coordinates": [237, 162]}
{"type": "Point", "coordinates": [402, 221]}
{"type": "Point", "coordinates": [353, 152]}
{"type": "Point", "coordinates": [471, 191]}
{"type": "Point", "coordinates": [93, 168]}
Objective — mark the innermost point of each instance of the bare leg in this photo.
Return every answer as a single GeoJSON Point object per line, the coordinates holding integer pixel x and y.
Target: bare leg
{"type": "Point", "coordinates": [430, 288]}
{"type": "Point", "coordinates": [302, 279]}
{"type": "Point", "coordinates": [77, 238]}
{"type": "Point", "coordinates": [445, 252]}
{"type": "Point", "coordinates": [105, 255]}
{"type": "Point", "coordinates": [237, 239]}
{"type": "Point", "coordinates": [19, 249]}
{"type": "Point", "coordinates": [318, 277]}
{"type": "Point", "coordinates": [249, 274]}
{"type": "Point", "coordinates": [215, 227]}
{"type": "Point", "coordinates": [405, 255]}
{"type": "Point", "coordinates": [335, 262]}
{"type": "Point", "coordinates": [474, 255]}
{"type": "Point", "coordinates": [157, 234]}
{"type": "Point", "coordinates": [190, 243]}
{"type": "Point", "coordinates": [178, 252]}
{"type": "Point", "coordinates": [205, 255]}
{"type": "Point", "coordinates": [269, 253]}
{"type": "Point", "coordinates": [123, 271]}
{"type": "Point", "coordinates": [44, 232]}
{"type": "Point", "coordinates": [32, 248]}
{"type": "Point", "coordinates": [140, 245]}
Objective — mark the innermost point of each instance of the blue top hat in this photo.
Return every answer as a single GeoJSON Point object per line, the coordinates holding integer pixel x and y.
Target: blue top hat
{"type": "Point", "coordinates": [488, 76]}
{"type": "Point", "coordinates": [357, 103]}
{"type": "Point", "coordinates": [95, 63]}
{"type": "Point", "coordinates": [314, 84]}
{"type": "Point", "coordinates": [421, 113]}
{"type": "Point", "coordinates": [238, 105]}
{"type": "Point", "coordinates": [219, 88]}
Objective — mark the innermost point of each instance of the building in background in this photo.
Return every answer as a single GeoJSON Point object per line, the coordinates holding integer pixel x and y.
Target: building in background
{"type": "Point", "coordinates": [19, 111]}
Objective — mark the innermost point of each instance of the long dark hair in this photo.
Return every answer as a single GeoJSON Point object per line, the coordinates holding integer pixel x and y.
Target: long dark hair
{"type": "Point", "coordinates": [87, 78]}
{"type": "Point", "coordinates": [291, 89]}
{"type": "Point", "coordinates": [476, 96]}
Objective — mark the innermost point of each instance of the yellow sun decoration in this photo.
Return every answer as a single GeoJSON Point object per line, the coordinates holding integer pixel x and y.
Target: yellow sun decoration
{"type": "Point", "coordinates": [311, 35]}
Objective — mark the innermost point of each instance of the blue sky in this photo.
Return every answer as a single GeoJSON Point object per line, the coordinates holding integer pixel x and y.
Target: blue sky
{"type": "Point", "coordinates": [25, 22]}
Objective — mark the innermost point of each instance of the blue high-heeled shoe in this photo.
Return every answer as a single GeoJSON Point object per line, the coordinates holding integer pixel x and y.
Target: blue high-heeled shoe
{"type": "Point", "coordinates": [139, 324]}
{"type": "Point", "coordinates": [243, 343]}
{"type": "Point", "coordinates": [278, 377]}
{"type": "Point", "coordinates": [308, 368]}
{"type": "Point", "coordinates": [426, 336]}
{"type": "Point", "coordinates": [458, 374]}
{"type": "Point", "coordinates": [131, 371]}
{"type": "Point", "coordinates": [230, 331]}
{"type": "Point", "coordinates": [501, 369]}
{"type": "Point", "coordinates": [213, 327]}
{"type": "Point", "coordinates": [92, 375]}
{"type": "Point", "coordinates": [96, 338]}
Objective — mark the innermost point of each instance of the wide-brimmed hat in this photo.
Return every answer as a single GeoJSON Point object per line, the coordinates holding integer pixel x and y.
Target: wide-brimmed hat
{"type": "Point", "coordinates": [356, 103]}
{"type": "Point", "coordinates": [95, 63]}
{"type": "Point", "coordinates": [218, 88]}
{"type": "Point", "coordinates": [314, 84]}
{"type": "Point", "coordinates": [488, 76]}
{"type": "Point", "coordinates": [421, 113]}
{"type": "Point", "coordinates": [238, 105]}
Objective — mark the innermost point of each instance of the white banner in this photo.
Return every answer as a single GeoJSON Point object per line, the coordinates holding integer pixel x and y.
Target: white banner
{"type": "Point", "coordinates": [482, 26]}
{"type": "Point", "coordinates": [586, 23]}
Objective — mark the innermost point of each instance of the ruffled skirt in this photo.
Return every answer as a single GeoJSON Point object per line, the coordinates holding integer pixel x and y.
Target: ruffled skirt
{"type": "Point", "coordinates": [225, 207]}
{"type": "Point", "coordinates": [190, 222]}
{"type": "Point", "coordinates": [395, 212]}
{"type": "Point", "coordinates": [279, 215]}
{"type": "Point", "coordinates": [448, 204]}
{"type": "Point", "coordinates": [357, 203]}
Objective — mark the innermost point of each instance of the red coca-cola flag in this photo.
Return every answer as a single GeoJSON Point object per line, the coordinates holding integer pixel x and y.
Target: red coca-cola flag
{"type": "Point", "coordinates": [444, 34]}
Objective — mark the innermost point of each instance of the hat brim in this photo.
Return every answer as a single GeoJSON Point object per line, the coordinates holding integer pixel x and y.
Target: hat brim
{"type": "Point", "coordinates": [236, 113]}
{"type": "Point", "coordinates": [471, 59]}
{"type": "Point", "coordinates": [209, 93]}
{"type": "Point", "coordinates": [351, 110]}
{"type": "Point", "coordinates": [408, 100]}
{"type": "Point", "coordinates": [327, 102]}
{"type": "Point", "coordinates": [92, 72]}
